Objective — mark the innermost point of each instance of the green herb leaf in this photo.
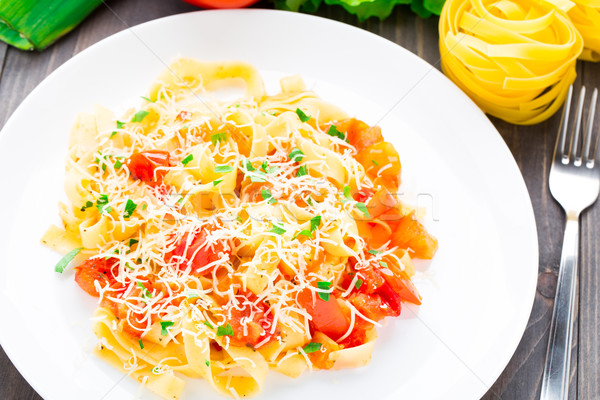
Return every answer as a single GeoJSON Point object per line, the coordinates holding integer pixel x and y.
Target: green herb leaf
{"type": "Point", "coordinates": [192, 295]}
{"type": "Point", "coordinates": [187, 159]}
{"type": "Point", "coordinates": [348, 192]}
{"type": "Point", "coordinates": [102, 204]}
{"type": "Point", "coordinates": [139, 116]}
{"type": "Point", "coordinates": [324, 286]}
{"type": "Point", "coordinates": [257, 176]}
{"type": "Point", "coordinates": [225, 330]}
{"type": "Point", "coordinates": [118, 164]}
{"type": "Point", "coordinates": [304, 232]}
{"type": "Point", "coordinates": [302, 170]}
{"type": "Point", "coordinates": [309, 201]}
{"type": "Point", "coordinates": [358, 283]}
{"type": "Point", "coordinates": [315, 222]}
{"type": "Point", "coordinates": [303, 117]}
{"type": "Point", "coordinates": [296, 155]}
{"type": "Point", "coordinates": [215, 183]}
{"type": "Point", "coordinates": [362, 207]}
{"type": "Point", "coordinates": [120, 125]}
{"type": "Point", "coordinates": [266, 195]}
{"type": "Point", "coordinates": [312, 347]}
{"type": "Point", "coordinates": [88, 204]}
{"type": "Point", "coordinates": [383, 264]}
{"type": "Point", "coordinates": [375, 162]}
{"type": "Point", "coordinates": [133, 241]}
{"type": "Point", "coordinates": [147, 99]}
{"type": "Point", "coordinates": [165, 325]}
{"type": "Point", "coordinates": [221, 169]}
{"type": "Point", "coordinates": [278, 229]}
{"type": "Point", "coordinates": [218, 137]}
{"type": "Point", "coordinates": [264, 166]}
{"type": "Point", "coordinates": [248, 165]}
{"type": "Point", "coordinates": [67, 258]}
{"type": "Point", "coordinates": [207, 363]}
{"type": "Point", "coordinates": [208, 324]}
{"type": "Point", "coordinates": [141, 344]}
{"type": "Point", "coordinates": [145, 292]}
{"type": "Point", "coordinates": [130, 207]}
{"type": "Point", "coordinates": [335, 132]}
{"type": "Point", "coordinates": [374, 252]}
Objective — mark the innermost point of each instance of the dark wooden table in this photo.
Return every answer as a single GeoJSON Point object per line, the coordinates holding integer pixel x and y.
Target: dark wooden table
{"type": "Point", "coordinates": [531, 146]}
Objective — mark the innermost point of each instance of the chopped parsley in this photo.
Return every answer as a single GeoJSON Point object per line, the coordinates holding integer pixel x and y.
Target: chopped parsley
{"type": "Point", "coordinates": [374, 252]}
{"type": "Point", "coordinates": [258, 177]}
{"type": "Point", "coordinates": [187, 159]}
{"type": "Point", "coordinates": [358, 283]}
{"type": "Point", "coordinates": [226, 330]}
{"type": "Point", "coordinates": [266, 195]}
{"type": "Point", "coordinates": [278, 229]}
{"type": "Point", "coordinates": [312, 347]}
{"type": "Point", "coordinates": [88, 204]}
{"type": "Point", "coordinates": [215, 183]}
{"type": "Point", "coordinates": [315, 222]}
{"type": "Point", "coordinates": [165, 325]}
{"type": "Point", "coordinates": [309, 201]}
{"type": "Point", "coordinates": [67, 258]}
{"type": "Point", "coordinates": [192, 295]}
{"type": "Point", "coordinates": [208, 324]}
{"type": "Point", "coordinates": [120, 125]}
{"type": "Point", "coordinates": [348, 192]}
{"type": "Point", "coordinates": [383, 264]}
{"type": "Point", "coordinates": [375, 162]}
{"type": "Point", "coordinates": [139, 116]}
{"type": "Point", "coordinates": [304, 232]}
{"type": "Point", "coordinates": [218, 137]}
{"type": "Point", "coordinates": [145, 293]}
{"type": "Point", "coordinates": [335, 132]}
{"type": "Point", "coordinates": [221, 169]}
{"type": "Point", "coordinates": [133, 241]}
{"type": "Point", "coordinates": [147, 99]}
{"type": "Point", "coordinates": [141, 344]}
{"type": "Point", "coordinates": [118, 164]}
{"type": "Point", "coordinates": [302, 170]}
{"type": "Point", "coordinates": [303, 117]}
{"type": "Point", "coordinates": [264, 166]}
{"type": "Point", "coordinates": [362, 207]}
{"type": "Point", "coordinates": [102, 205]}
{"type": "Point", "coordinates": [324, 286]}
{"type": "Point", "coordinates": [248, 165]}
{"type": "Point", "coordinates": [296, 155]}
{"type": "Point", "coordinates": [130, 207]}
{"type": "Point", "coordinates": [207, 363]}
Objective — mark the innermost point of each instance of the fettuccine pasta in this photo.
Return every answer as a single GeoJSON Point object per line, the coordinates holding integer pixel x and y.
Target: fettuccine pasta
{"type": "Point", "coordinates": [515, 59]}
{"type": "Point", "coordinates": [227, 238]}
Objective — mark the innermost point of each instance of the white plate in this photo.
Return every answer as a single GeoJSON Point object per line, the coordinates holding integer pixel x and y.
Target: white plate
{"type": "Point", "coordinates": [477, 293]}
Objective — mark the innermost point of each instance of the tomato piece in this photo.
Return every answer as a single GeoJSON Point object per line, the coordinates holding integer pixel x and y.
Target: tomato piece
{"type": "Point", "coordinates": [91, 270]}
{"type": "Point", "coordinates": [192, 250]}
{"type": "Point", "coordinates": [250, 331]}
{"type": "Point", "coordinates": [359, 134]}
{"type": "Point", "coordinates": [404, 287]}
{"type": "Point", "coordinates": [143, 165]}
{"type": "Point", "coordinates": [371, 305]}
{"type": "Point", "coordinates": [381, 161]}
{"type": "Point", "coordinates": [327, 316]}
{"type": "Point", "coordinates": [221, 3]}
{"type": "Point", "coordinates": [409, 233]}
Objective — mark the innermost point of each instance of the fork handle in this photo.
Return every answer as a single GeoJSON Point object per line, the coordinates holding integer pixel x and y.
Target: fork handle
{"type": "Point", "coordinates": [555, 382]}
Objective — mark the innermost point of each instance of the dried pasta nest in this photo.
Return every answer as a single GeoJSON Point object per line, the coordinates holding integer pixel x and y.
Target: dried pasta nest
{"type": "Point", "coordinates": [515, 59]}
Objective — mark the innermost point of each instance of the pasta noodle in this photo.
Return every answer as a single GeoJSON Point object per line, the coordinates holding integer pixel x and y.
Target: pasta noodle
{"type": "Point", "coordinates": [516, 60]}
{"type": "Point", "coordinates": [224, 239]}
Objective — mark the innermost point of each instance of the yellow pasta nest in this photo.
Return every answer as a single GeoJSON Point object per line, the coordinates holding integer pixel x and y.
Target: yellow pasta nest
{"type": "Point", "coordinates": [586, 18]}
{"type": "Point", "coordinates": [515, 59]}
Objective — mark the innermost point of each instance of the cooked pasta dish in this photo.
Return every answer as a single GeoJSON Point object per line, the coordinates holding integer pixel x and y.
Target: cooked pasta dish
{"type": "Point", "coordinates": [226, 238]}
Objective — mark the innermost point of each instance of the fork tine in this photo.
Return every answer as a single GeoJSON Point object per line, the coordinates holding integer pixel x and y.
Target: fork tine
{"type": "Point", "coordinates": [573, 148]}
{"type": "Point", "coordinates": [559, 148]}
{"type": "Point", "coordinates": [591, 157]}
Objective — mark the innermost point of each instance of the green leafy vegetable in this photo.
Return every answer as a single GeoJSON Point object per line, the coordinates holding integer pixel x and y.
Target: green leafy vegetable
{"type": "Point", "coordinates": [102, 204]}
{"type": "Point", "coordinates": [215, 183]}
{"type": "Point", "coordinates": [302, 170]}
{"type": "Point", "coordinates": [304, 232]}
{"type": "Point", "coordinates": [374, 252]}
{"type": "Point", "coordinates": [165, 325]}
{"type": "Point", "coordinates": [383, 264]}
{"type": "Point", "coordinates": [225, 330]}
{"type": "Point", "coordinates": [88, 204]}
{"type": "Point", "coordinates": [191, 295]}
{"type": "Point", "coordinates": [266, 195]}
{"type": "Point", "coordinates": [218, 137]}
{"type": "Point", "coordinates": [358, 283]}
{"type": "Point", "coordinates": [375, 162]}
{"type": "Point", "coordinates": [315, 222]}
{"type": "Point", "coordinates": [147, 99]}
{"type": "Point", "coordinates": [208, 324]}
{"type": "Point", "coordinates": [296, 155]}
{"type": "Point", "coordinates": [221, 169]}
{"type": "Point", "coordinates": [133, 241]}
{"type": "Point", "coordinates": [141, 344]}
{"type": "Point", "coordinates": [312, 347]}
{"type": "Point", "coordinates": [324, 286]}
{"type": "Point", "coordinates": [207, 363]}
{"type": "Point", "coordinates": [277, 229]}
{"type": "Point", "coordinates": [348, 192]}
{"type": "Point", "coordinates": [187, 159]}
{"type": "Point", "coordinates": [130, 207]}
{"type": "Point", "coordinates": [139, 116]}
{"type": "Point", "coordinates": [120, 125]}
{"type": "Point", "coordinates": [362, 207]}
{"type": "Point", "coordinates": [67, 258]}
{"type": "Point", "coordinates": [118, 164]}
{"type": "Point", "coordinates": [303, 117]}
{"type": "Point", "coordinates": [335, 132]}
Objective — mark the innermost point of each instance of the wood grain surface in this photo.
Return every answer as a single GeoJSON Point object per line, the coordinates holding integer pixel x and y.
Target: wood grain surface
{"type": "Point", "coordinates": [531, 146]}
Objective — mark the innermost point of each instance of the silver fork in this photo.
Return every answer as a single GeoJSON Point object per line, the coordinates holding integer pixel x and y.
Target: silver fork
{"type": "Point", "coordinates": [574, 183]}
